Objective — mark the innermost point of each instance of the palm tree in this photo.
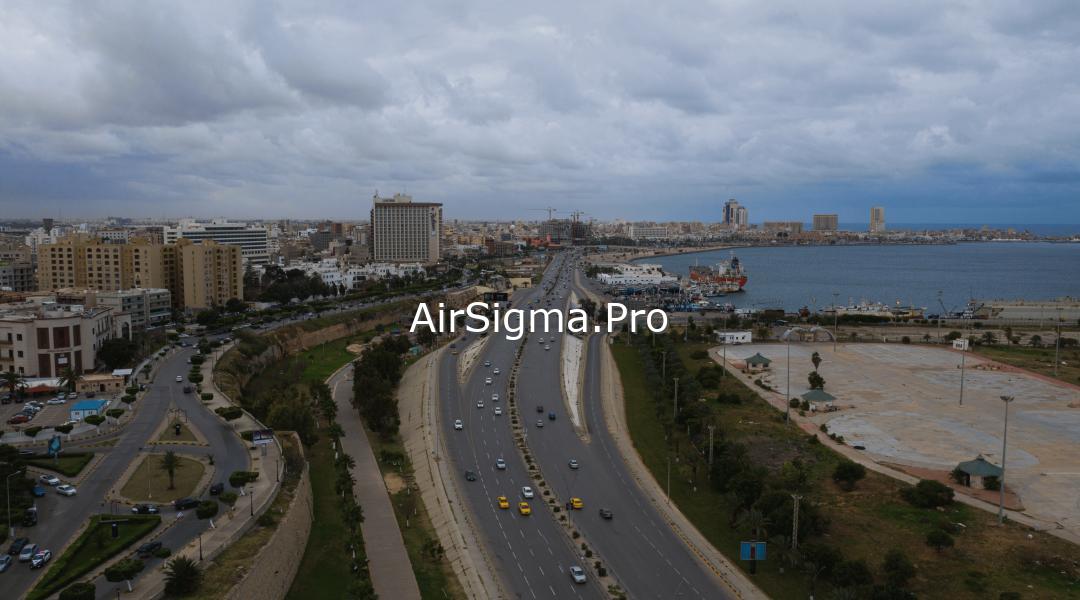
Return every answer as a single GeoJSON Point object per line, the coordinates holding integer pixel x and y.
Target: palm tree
{"type": "Point", "coordinates": [68, 379]}
{"type": "Point", "coordinates": [13, 381]}
{"type": "Point", "coordinates": [182, 576]}
{"type": "Point", "coordinates": [169, 464]}
{"type": "Point", "coordinates": [816, 359]}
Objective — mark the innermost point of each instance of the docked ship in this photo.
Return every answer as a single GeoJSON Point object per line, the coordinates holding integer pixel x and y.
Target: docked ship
{"type": "Point", "coordinates": [723, 278]}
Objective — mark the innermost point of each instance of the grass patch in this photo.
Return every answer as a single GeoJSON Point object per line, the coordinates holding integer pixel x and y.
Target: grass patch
{"type": "Point", "coordinates": [863, 524]}
{"type": "Point", "coordinates": [168, 434]}
{"type": "Point", "coordinates": [150, 483]}
{"type": "Point", "coordinates": [68, 464]}
{"type": "Point", "coordinates": [94, 547]}
{"type": "Point", "coordinates": [1038, 360]}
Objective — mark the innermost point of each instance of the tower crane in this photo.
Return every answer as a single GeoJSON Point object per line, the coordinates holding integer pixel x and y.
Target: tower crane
{"type": "Point", "coordinates": [549, 210]}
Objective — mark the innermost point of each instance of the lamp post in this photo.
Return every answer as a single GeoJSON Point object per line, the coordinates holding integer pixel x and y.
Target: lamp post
{"type": "Point", "coordinates": [7, 485]}
{"type": "Point", "coordinates": [1057, 343]}
{"type": "Point", "coordinates": [251, 500]}
{"type": "Point", "coordinates": [787, 338]}
{"type": "Point", "coordinates": [963, 355]}
{"type": "Point", "coordinates": [676, 416]}
{"type": "Point", "coordinates": [1004, 441]}
{"type": "Point", "coordinates": [200, 546]}
{"type": "Point", "coordinates": [836, 319]}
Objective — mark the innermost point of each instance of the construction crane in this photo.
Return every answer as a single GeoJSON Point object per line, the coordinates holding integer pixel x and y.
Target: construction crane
{"type": "Point", "coordinates": [549, 210]}
{"type": "Point", "coordinates": [576, 215]}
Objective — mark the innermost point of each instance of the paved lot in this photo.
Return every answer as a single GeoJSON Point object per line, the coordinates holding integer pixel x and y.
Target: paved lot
{"type": "Point", "coordinates": [902, 403]}
{"type": "Point", "coordinates": [51, 414]}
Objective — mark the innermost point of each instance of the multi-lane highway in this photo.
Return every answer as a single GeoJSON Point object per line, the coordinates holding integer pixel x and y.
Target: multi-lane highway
{"type": "Point", "coordinates": [642, 552]}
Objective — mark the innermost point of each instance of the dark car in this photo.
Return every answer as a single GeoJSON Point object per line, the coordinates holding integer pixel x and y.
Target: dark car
{"type": "Point", "coordinates": [551, 416]}
{"type": "Point", "coordinates": [17, 545]}
{"type": "Point", "coordinates": [217, 488]}
{"type": "Point", "coordinates": [145, 509]}
{"type": "Point", "coordinates": [540, 408]}
{"type": "Point", "coordinates": [606, 514]}
{"type": "Point", "coordinates": [38, 491]}
{"type": "Point", "coordinates": [185, 503]}
{"type": "Point", "coordinates": [18, 419]}
{"type": "Point", "coordinates": [470, 476]}
{"type": "Point", "coordinates": [91, 394]}
{"type": "Point", "coordinates": [30, 517]}
{"type": "Point", "coordinates": [147, 550]}
{"type": "Point", "coordinates": [188, 389]}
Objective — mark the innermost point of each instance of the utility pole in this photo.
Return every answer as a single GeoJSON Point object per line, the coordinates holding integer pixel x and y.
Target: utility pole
{"type": "Point", "coordinates": [787, 372]}
{"type": "Point", "coordinates": [963, 354]}
{"type": "Point", "coordinates": [663, 367]}
{"type": "Point", "coordinates": [711, 445]}
{"type": "Point", "coordinates": [795, 523]}
{"type": "Point", "coordinates": [836, 319]}
{"type": "Point", "coordinates": [1004, 441]}
{"type": "Point", "coordinates": [676, 397]}
{"type": "Point", "coordinates": [669, 479]}
{"type": "Point", "coordinates": [7, 485]}
{"type": "Point", "coordinates": [1057, 347]}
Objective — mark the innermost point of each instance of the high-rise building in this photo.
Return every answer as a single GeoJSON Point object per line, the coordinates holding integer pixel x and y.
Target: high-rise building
{"type": "Point", "coordinates": [252, 240]}
{"type": "Point", "coordinates": [16, 276]}
{"type": "Point", "coordinates": [208, 273]}
{"type": "Point", "coordinates": [826, 222]}
{"type": "Point", "coordinates": [736, 216]}
{"type": "Point", "coordinates": [405, 231]}
{"type": "Point", "coordinates": [784, 226]}
{"type": "Point", "coordinates": [147, 307]}
{"type": "Point", "coordinates": [877, 219]}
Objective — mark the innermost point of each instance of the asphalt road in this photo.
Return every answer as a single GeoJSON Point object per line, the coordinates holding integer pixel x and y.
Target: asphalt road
{"type": "Point", "coordinates": [531, 553]}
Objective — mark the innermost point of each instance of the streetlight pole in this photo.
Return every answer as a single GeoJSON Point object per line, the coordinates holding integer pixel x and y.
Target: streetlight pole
{"type": "Point", "coordinates": [669, 479]}
{"type": "Point", "coordinates": [963, 354]}
{"type": "Point", "coordinates": [836, 319]}
{"type": "Point", "coordinates": [1057, 344]}
{"type": "Point", "coordinates": [787, 373]}
{"type": "Point", "coordinates": [200, 546]}
{"type": "Point", "coordinates": [676, 397]}
{"type": "Point", "coordinates": [1004, 441]}
{"type": "Point", "coordinates": [7, 485]}
{"type": "Point", "coordinates": [251, 500]}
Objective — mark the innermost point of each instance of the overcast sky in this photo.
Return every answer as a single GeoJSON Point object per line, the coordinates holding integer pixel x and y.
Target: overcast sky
{"type": "Point", "coordinates": [635, 109]}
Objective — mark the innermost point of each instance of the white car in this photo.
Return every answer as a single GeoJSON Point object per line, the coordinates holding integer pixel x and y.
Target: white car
{"type": "Point", "coordinates": [487, 381]}
{"type": "Point", "coordinates": [500, 464]}
{"type": "Point", "coordinates": [49, 480]}
{"type": "Point", "coordinates": [539, 422]}
{"type": "Point", "coordinates": [547, 347]}
{"type": "Point", "coordinates": [179, 378]}
{"type": "Point", "coordinates": [55, 401]}
{"type": "Point", "coordinates": [573, 463]}
{"type": "Point", "coordinates": [494, 397]}
{"type": "Point", "coordinates": [458, 424]}
{"type": "Point", "coordinates": [66, 490]}
{"type": "Point", "coordinates": [498, 411]}
{"type": "Point", "coordinates": [527, 492]}
{"type": "Point", "coordinates": [541, 341]}
{"type": "Point", "coordinates": [479, 404]}
{"type": "Point", "coordinates": [487, 363]}
{"type": "Point", "coordinates": [496, 371]}
{"type": "Point", "coordinates": [577, 574]}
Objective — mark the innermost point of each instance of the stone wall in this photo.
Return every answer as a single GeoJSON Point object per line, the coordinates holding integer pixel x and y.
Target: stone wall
{"type": "Point", "coordinates": [273, 569]}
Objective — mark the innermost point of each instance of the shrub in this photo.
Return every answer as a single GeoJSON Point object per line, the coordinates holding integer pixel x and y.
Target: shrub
{"type": "Point", "coordinates": [699, 354]}
{"type": "Point", "coordinates": [63, 428]}
{"type": "Point", "coordinates": [79, 591]}
{"type": "Point", "coordinates": [240, 478]}
{"type": "Point", "coordinates": [195, 378]}
{"type": "Point", "coordinates": [124, 570]}
{"type": "Point", "coordinates": [898, 568]}
{"type": "Point", "coordinates": [928, 494]}
{"type": "Point", "coordinates": [229, 413]}
{"type": "Point", "coordinates": [163, 552]}
{"type": "Point", "coordinates": [228, 498]}
{"type": "Point", "coordinates": [958, 475]}
{"type": "Point", "coordinates": [265, 520]}
{"type": "Point", "coordinates": [852, 573]}
{"type": "Point", "coordinates": [94, 420]}
{"type": "Point", "coordinates": [127, 399]}
{"type": "Point", "coordinates": [207, 396]}
{"type": "Point", "coordinates": [939, 540]}
{"type": "Point", "coordinates": [247, 436]}
{"type": "Point", "coordinates": [131, 391]}
{"type": "Point", "coordinates": [207, 509]}
{"type": "Point", "coordinates": [197, 359]}
{"type": "Point", "coordinates": [848, 473]}
{"type": "Point", "coordinates": [991, 483]}
{"type": "Point", "coordinates": [114, 412]}
{"type": "Point", "coordinates": [32, 431]}
{"type": "Point", "coordinates": [905, 340]}
{"type": "Point", "coordinates": [793, 403]}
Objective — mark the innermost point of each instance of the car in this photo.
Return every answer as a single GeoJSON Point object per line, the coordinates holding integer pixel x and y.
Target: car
{"type": "Point", "coordinates": [470, 476]}
{"type": "Point", "coordinates": [487, 381]}
{"type": "Point", "coordinates": [541, 340]}
{"type": "Point", "coordinates": [494, 397]}
{"type": "Point", "coordinates": [577, 574]}
{"type": "Point", "coordinates": [51, 480]}
{"type": "Point", "coordinates": [91, 394]}
{"type": "Point", "coordinates": [458, 425]}
{"type": "Point", "coordinates": [188, 389]}
{"type": "Point", "coordinates": [55, 401]}
{"type": "Point", "coordinates": [496, 371]}
{"type": "Point", "coordinates": [30, 517]}
{"type": "Point", "coordinates": [498, 411]}
{"type": "Point", "coordinates": [479, 404]}
{"type": "Point", "coordinates": [38, 491]}
{"type": "Point", "coordinates": [28, 551]}
{"type": "Point", "coordinates": [551, 416]}
{"type": "Point", "coordinates": [179, 378]}
{"type": "Point", "coordinates": [503, 502]}
{"type": "Point", "coordinates": [17, 545]}
{"type": "Point", "coordinates": [527, 492]}
{"type": "Point", "coordinates": [547, 347]}
{"type": "Point", "coordinates": [145, 509]}
{"type": "Point", "coordinates": [500, 464]}
{"type": "Point", "coordinates": [39, 559]}
{"type": "Point", "coordinates": [66, 490]}
{"type": "Point", "coordinates": [487, 363]}
{"type": "Point", "coordinates": [540, 423]}
{"type": "Point", "coordinates": [606, 514]}
{"type": "Point", "coordinates": [523, 508]}
{"type": "Point", "coordinates": [540, 408]}
{"type": "Point", "coordinates": [185, 503]}
{"type": "Point", "coordinates": [577, 503]}
{"type": "Point", "coordinates": [5, 562]}
{"type": "Point", "coordinates": [573, 463]}
{"type": "Point", "coordinates": [18, 419]}
{"type": "Point", "coordinates": [147, 550]}
{"type": "Point", "coordinates": [217, 488]}
{"type": "Point", "coordinates": [70, 422]}
{"type": "Point", "coordinates": [72, 396]}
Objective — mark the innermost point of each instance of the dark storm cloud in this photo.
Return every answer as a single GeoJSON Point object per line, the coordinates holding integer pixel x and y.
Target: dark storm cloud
{"type": "Point", "coordinates": [637, 110]}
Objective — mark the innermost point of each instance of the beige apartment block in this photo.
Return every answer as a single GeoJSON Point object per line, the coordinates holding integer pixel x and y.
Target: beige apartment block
{"type": "Point", "coordinates": [405, 231]}
{"type": "Point", "coordinates": [209, 274]}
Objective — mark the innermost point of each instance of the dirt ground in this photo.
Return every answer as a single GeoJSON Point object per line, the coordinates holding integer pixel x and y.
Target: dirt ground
{"type": "Point", "coordinates": [394, 482]}
{"type": "Point", "coordinates": [902, 402]}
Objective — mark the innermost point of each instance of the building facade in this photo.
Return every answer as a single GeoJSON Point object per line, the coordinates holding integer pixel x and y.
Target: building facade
{"type": "Point", "coordinates": [736, 216]}
{"type": "Point", "coordinates": [46, 341]}
{"type": "Point", "coordinates": [17, 277]}
{"type": "Point", "coordinates": [826, 222]}
{"type": "Point", "coordinates": [877, 219]}
{"type": "Point", "coordinates": [252, 240]}
{"type": "Point", "coordinates": [147, 307]}
{"type": "Point", "coordinates": [783, 226]}
{"type": "Point", "coordinates": [405, 231]}
{"type": "Point", "coordinates": [208, 273]}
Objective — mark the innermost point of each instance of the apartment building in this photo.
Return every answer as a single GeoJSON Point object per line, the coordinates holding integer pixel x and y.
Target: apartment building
{"type": "Point", "coordinates": [146, 307]}
{"type": "Point", "coordinates": [826, 222]}
{"type": "Point", "coordinates": [17, 276]}
{"type": "Point", "coordinates": [877, 219]}
{"type": "Point", "coordinates": [405, 231]}
{"type": "Point", "coordinates": [46, 340]}
{"type": "Point", "coordinates": [252, 240]}
{"type": "Point", "coordinates": [209, 274]}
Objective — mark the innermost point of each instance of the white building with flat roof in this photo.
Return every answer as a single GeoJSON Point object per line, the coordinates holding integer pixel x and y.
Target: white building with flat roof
{"type": "Point", "coordinates": [253, 240]}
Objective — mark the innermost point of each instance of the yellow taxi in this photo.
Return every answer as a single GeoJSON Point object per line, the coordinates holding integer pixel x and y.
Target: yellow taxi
{"type": "Point", "coordinates": [577, 503]}
{"type": "Point", "coordinates": [503, 502]}
{"type": "Point", "coordinates": [523, 508]}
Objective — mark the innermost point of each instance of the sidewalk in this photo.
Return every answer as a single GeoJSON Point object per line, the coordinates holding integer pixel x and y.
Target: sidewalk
{"type": "Point", "coordinates": [391, 571]}
{"type": "Point", "coordinates": [418, 409]}
{"type": "Point", "coordinates": [615, 414]}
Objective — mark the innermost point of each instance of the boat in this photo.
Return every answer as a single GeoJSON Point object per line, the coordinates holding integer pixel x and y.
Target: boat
{"type": "Point", "coordinates": [723, 278]}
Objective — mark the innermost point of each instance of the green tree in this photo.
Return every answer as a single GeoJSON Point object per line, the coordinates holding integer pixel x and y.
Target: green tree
{"type": "Point", "coordinates": [235, 305]}
{"type": "Point", "coordinates": [852, 573]}
{"type": "Point", "coordinates": [816, 381]}
{"type": "Point", "coordinates": [118, 352]}
{"type": "Point", "coordinates": [1035, 341]}
{"type": "Point", "coordinates": [124, 570]}
{"type": "Point", "coordinates": [13, 381]}
{"type": "Point", "coordinates": [756, 522]}
{"type": "Point", "coordinates": [68, 379]}
{"type": "Point", "coordinates": [79, 591]}
{"type": "Point", "coordinates": [989, 338]}
{"type": "Point", "coordinates": [848, 473]}
{"type": "Point", "coordinates": [939, 540]}
{"type": "Point", "coordinates": [182, 576]}
{"type": "Point", "coordinates": [816, 359]}
{"type": "Point", "coordinates": [169, 463]}
{"type": "Point", "coordinates": [898, 568]}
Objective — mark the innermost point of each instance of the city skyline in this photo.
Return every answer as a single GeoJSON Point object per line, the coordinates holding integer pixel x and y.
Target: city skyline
{"type": "Point", "coordinates": [658, 113]}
